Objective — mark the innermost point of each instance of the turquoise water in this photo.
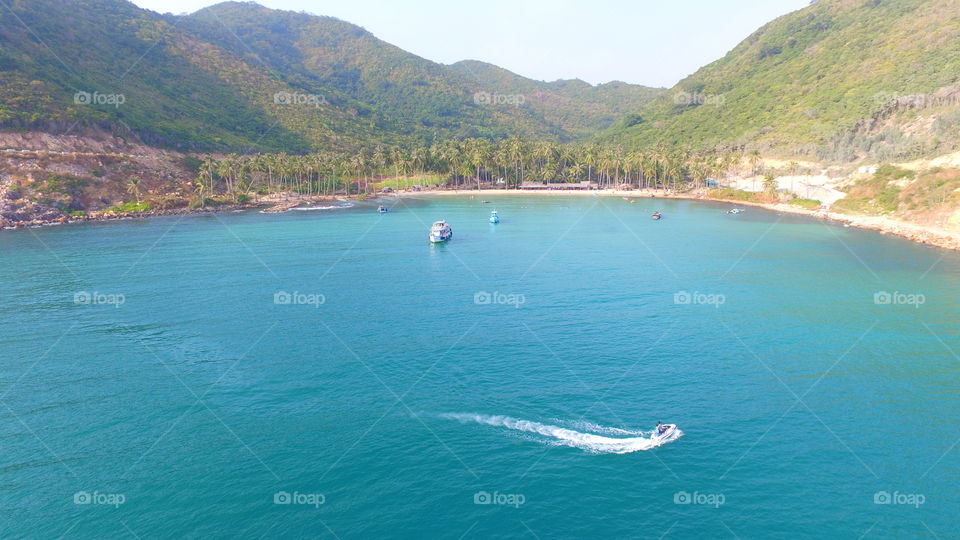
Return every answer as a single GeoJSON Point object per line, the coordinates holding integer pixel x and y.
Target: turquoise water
{"type": "Point", "coordinates": [182, 398]}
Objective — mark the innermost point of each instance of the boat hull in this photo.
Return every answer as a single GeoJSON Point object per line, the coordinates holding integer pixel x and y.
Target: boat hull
{"type": "Point", "coordinates": [440, 238]}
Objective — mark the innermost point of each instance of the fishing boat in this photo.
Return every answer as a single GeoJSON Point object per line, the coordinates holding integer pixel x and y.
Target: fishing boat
{"type": "Point", "coordinates": [656, 215]}
{"type": "Point", "coordinates": [383, 209]}
{"type": "Point", "coordinates": [494, 217]}
{"type": "Point", "coordinates": [440, 232]}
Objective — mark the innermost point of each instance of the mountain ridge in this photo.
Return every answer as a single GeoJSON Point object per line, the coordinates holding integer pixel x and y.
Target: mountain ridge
{"type": "Point", "coordinates": [229, 76]}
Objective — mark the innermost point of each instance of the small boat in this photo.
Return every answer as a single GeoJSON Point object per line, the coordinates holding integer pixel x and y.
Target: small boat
{"type": "Point", "coordinates": [735, 211]}
{"type": "Point", "coordinates": [633, 201]}
{"type": "Point", "coordinates": [656, 215]}
{"type": "Point", "coordinates": [664, 431]}
{"type": "Point", "coordinates": [440, 232]}
{"type": "Point", "coordinates": [494, 217]}
{"type": "Point", "coordinates": [624, 198]}
{"type": "Point", "coordinates": [383, 209]}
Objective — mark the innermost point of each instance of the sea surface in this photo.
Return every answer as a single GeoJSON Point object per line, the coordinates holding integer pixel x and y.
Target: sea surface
{"type": "Point", "coordinates": [329, 373]}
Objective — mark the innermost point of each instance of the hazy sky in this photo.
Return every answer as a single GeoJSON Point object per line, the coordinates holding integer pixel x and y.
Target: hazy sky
{"type": "Point", "coordinates": [652, 42]}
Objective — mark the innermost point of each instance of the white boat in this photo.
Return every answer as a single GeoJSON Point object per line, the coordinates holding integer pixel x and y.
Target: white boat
{"type": "Point", "coordinates": [494, 217]}
{"type": "Point", "coordinates": [440, 232]}
{"type": "Point", "coordinates": [734, 211]}
{"type": "Point", "coordinates": [664, 431]}
{"type": "Point", "coordinates": [383, 209]}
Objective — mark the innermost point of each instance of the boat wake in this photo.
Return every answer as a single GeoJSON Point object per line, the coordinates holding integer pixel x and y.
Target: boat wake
{"type": "Point", "coordinates": [593, 438]}
{"type": "Point", "coordinates": [331, 207]}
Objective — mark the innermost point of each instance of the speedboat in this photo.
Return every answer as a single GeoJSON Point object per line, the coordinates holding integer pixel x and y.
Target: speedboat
{"type": "Point", "coordinates": [383, 209]}
{"type": "Point", "coordinates": [664, 431]}
{"type": "Point", "coordinates": [494, 217]}
{"type": "Point", "coordinates": [656, 215]}
{"type": "Point", "coordinates": [440, 232]}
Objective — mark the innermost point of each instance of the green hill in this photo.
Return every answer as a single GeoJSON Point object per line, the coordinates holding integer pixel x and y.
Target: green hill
{"type": "Point", "coordinates": [574, 105]}
{"type": "Point", "coordinates": [238, 76]}
{"type": "Point", "coordinates": [176, 91]}
{"type": "Point", "coordinates": [839, 80]}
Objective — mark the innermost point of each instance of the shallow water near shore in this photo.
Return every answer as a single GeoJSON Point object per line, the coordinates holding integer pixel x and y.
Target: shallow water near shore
{"type": "Point", "coordinates": [191, 375]}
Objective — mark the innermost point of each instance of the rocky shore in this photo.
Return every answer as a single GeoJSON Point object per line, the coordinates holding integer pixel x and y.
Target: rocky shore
{"type": "Point", "coordinates": [57, 218]}
{"type": "Point", "coordinates": [17, 213]}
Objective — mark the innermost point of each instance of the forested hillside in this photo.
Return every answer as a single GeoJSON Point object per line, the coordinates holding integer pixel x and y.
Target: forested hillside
{"type": "Point", "coordinates": [840, 80]}
{"type": "Point", "coordinates": [241, 77]}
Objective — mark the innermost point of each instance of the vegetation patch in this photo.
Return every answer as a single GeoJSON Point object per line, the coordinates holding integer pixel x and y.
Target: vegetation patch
{"type": "Point", "coordinates": [878, 195]}
{"type": "Point", "coordinates": [737, 195]}
{"type": "Point", "coordinates": [809, 204]}
{"type": "Point", "coordinates": [130, 207]}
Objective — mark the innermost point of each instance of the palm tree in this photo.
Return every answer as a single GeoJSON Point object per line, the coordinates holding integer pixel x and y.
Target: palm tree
{"type": "Point", "coordinates": [419, 158]}
{"type": "Point", "coordinates": [515, 149]}
{"type": "Point", "coordinates": [204, 180]}
{"type": "Point", "coordinates": [359, 164]}
{"type": "Point", "coordinates": [591, 156]}
{"type": "Point", "coordinates": [133, 187]}
{"type": "Point", "coordinates": [755, 161]}
{"type": "Point", "coordinates": [478, 153]}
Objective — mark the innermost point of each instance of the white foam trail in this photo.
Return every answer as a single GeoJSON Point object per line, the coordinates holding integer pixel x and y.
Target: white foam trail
{"type": "Point", "coordinates": [568, 437]}
{"type": "Point", "coordinates": [333, 207]}
{"type": "Point", "coordinates": [605, 430]}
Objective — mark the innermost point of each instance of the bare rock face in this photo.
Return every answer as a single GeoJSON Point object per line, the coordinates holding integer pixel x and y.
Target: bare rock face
{"type": "Point", "coordinates": [15, 210]}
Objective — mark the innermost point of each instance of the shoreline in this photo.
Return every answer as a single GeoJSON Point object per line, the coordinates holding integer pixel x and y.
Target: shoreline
{"type": "Point", "coordinates": [118, 216]}
{"type": "Point", "coordinates": [921, 234]}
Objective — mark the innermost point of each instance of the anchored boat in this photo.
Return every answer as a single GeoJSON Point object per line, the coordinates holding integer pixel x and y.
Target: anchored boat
{"type": "Point", "coordinates": [440, 232]}
{"type": "Point", "coordinates": [494, 217]}
{"type": "Point", "coordinates": [656, 215]}
{"type": "Point", "coordinates": [383, 209]}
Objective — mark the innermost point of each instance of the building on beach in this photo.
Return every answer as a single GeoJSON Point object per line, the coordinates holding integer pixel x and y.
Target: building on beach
{"type": "Point", "coordinates": [563, 186]}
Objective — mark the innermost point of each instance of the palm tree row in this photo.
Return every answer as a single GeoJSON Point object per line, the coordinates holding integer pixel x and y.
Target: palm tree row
{"type": "Point", "coordinates": [460, 164]}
